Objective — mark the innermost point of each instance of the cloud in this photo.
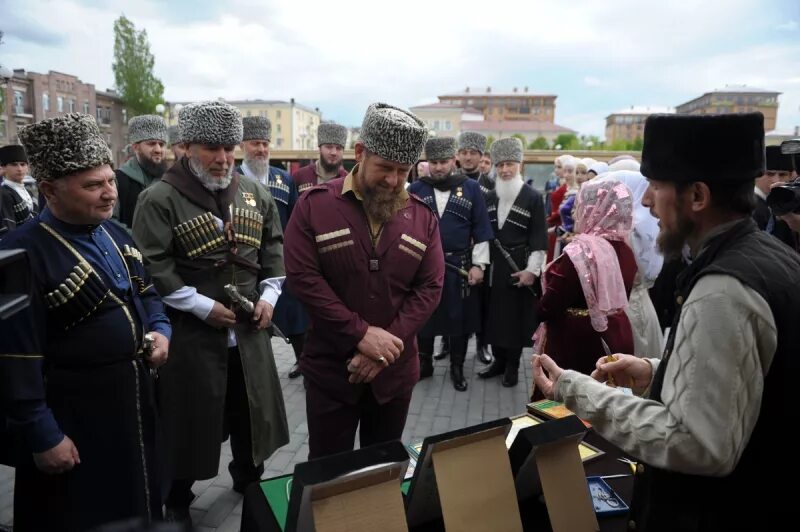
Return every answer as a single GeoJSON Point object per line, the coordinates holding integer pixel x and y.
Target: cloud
{"type": "Point", "coordinates": [341, 59]}
{"type": "Point", "coordinates": [791, 25]}
{"type": "Point", "coordinates": [18, 26]}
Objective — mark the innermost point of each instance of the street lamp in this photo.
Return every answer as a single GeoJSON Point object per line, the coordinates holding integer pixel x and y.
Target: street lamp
{"type": "Point", "coordinates": [589, 145]}
{"type": "Point", "coordinates": [160, 108]}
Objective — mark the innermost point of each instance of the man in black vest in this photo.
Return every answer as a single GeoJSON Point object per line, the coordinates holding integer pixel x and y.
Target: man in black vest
{"type": "Point", "coordinates": [711, 416]}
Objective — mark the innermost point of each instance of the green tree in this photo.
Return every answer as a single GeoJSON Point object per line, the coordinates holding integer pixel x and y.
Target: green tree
{"type": "Point", "coordinates": [133, 64]}
{"type": "Point", "coordinates": [521, 138]}
{"type": "Point", "coordinates": [540, 143]}
{"type": "Point", "coordinates": [637, 145]}
{"type": "Point", "coordinates": [619, 145]}
{"type": "Point", "coordinates": [489, 140]}
{"type": "Point", "coordinates": [567, 141]}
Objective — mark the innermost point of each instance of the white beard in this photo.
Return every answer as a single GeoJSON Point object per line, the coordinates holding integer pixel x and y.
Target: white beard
{"type": "Point", "coordinates": [508, 190]}
{"type": "Point", "coordinates": [259, 167]}
{"type": "Point", "coordinates": [207, 180]}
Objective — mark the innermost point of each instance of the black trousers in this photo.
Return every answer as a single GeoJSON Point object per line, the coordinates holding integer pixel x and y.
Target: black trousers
{"type": "Point", "coordinates": [237, 426]}
{"type": "Point", "coordinates": [507, 357]}
{"type": "Point", "coordinates": [458, 347]}
{"type": "Point", "coordinates": [332, 424]}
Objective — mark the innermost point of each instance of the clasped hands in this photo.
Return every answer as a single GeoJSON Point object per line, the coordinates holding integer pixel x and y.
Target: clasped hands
{"type": "Point", "coordinates": [625, 368]}
{"type": "Point", "coordinates": [376, 351]}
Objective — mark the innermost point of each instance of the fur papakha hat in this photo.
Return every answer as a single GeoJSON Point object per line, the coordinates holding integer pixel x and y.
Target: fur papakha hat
{"type": "Point", "coordinates": [15, 153]}
{"type": "Point", "coordinates": [256, 128]}
{"type": "Point", "coordinates": [174, 134]}
{"type": "Point", "coordinates": [393, 134]}
{"type": "Point", "coordinates": [472, 140]}
{"type": "Point", "coordinates": [677, 148]}
{"type": "Point", "coordinates": [147, 127]}
{"type": "Point", "coordinates": [330, 133]}
{"type": "Point", "coordinates": [214, 122]}
{"type": "Point", "coordinates": [507, 149]}
{"type": "Point", "coordinates": [61, 146]}
{"type": "Point", "coordinates": [440, 149]}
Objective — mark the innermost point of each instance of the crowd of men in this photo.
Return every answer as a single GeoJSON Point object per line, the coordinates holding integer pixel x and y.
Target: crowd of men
{"type": "Point", "coordinates": [156, 288]}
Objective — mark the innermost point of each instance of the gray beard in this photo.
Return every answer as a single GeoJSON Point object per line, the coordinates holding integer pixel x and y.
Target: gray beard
{"type": "Point", "coordinates": [508, 190]}
{"type": "Point", "coordinates": [207, 180]}
{"type": "Point", "coordinates": [259, 167]}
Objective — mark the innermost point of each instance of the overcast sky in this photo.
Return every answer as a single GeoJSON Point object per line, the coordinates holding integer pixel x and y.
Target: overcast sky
{"type": "Point", "coordinates": [598, 56]}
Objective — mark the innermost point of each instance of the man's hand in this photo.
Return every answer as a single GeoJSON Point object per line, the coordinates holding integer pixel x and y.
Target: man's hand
{"type": "Point", "coordinates": [380, 345]}
{"type": "Point", "coordinates": [363, 369]}
{"type": "Point", "coordinates": [545, 375]}
{"type": "Point", "coordinates": [220, 316]}
{"type": "Point", "coordinates": [59, 459]}
{"type": "Point", "coordinates": [626, 370]}
{"type": "Point", "coordinates": [475, 276]}
{"type": "Point", "coordinates": [262, 315]}
{"type": "Point", "coordinates": [160, 353]}
{"type": "Point", "coordinates": [525, 278]}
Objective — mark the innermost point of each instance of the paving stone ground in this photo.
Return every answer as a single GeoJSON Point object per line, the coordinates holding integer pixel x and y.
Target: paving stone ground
{"type": "Point", "coordinates": [435, 407]}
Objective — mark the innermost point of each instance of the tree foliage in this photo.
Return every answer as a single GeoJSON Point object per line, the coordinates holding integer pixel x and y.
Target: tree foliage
{"type": "Point", "coordinates": [133, 64]}
{"type": "Point", "coordinates": [521, 138]}
{"type": "Point", "coordinates": [567, 141]}
{"type": "Point", "coordinates": [540, 143]}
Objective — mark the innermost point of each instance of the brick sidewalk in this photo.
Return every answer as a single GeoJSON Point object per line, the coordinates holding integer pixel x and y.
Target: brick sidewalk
{"type": "Point", "coordinates": [435, 407]}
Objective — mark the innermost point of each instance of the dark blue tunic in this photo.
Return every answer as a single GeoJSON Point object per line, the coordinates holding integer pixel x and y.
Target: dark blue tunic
{"type": "Point", "coordinates": [463, 224]}
{"type": "Point", "coordinates": [289, 315]}
{"type": "Point", "coordinates": [71, 363]}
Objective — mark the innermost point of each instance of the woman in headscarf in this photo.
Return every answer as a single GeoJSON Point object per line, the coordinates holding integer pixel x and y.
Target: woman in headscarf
{"type": "Point", "coordinates": [555, 199]}
{"type": "Point", "coordinates": [586, 289]}
{"type": "Point", "coordinates": [565, 226]}
{"type": "Point", "coordinates": [597, 168]}
{"type": "Point", "coordinates": [647, 335]}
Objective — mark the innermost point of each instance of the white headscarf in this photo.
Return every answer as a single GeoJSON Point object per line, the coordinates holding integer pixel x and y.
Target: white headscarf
{"type": "Point", "coordinates": [599, 167]}
{"type": "Point", "coordinates": [645, 226]}
{"type": "Point", "coordinates": [624, 164]}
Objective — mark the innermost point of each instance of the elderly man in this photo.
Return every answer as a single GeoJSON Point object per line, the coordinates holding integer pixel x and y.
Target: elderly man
{"type": "Point", "coordinates": [465, 233]}
{"type": "Point", "coordinates": [703, 421]}
{"type": "Point", "coordinates": [517, 215]}
{"type": "Point", "coordinates": [290, 317]}
{"type": "Point", "coordinates": [76, 366]}
{"type": "Point", "coordinates": [366, 259]}
{"type": "Point", "coordinates": [207, 235]}
{"type": "Point", "coordinates": [331, 139]}
{"type": "Point", "coordinates": [148, 136]}
{"type": "Point", "coordinates": [16, 204]}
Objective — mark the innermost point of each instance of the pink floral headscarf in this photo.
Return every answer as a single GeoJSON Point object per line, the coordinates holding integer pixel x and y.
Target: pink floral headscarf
{"type": "Point", "coordinates": [604, 211]}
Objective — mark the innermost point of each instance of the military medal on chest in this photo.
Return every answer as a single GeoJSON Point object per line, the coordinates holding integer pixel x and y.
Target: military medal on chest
{"type": "Point", "coordinates": [459, 192]}
{"type": "Point", "coordinates": [249, 198]}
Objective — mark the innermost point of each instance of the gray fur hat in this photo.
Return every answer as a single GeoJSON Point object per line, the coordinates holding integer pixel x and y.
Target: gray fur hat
{"type": "Point", "coordinates": [174, 134]}
{"type": "Point", "coordinates": [507, 149]}
{"type": "Point", "coordinates": [330, 133]}
{"type": "Point", "coordinates": [472, 140]}
{"type": "Point", "coordinates": [212, 122]}
{"type": "Point", "coordinates": [440, 148]}
{"type": "Point", "coordinates": [392, 133]}
{"type": "Point", "coordinates": [146, 127]}
{"type": "Point", "coordinates": [257, 128]}
{"type": "Point", "coordinates": [58, 147]}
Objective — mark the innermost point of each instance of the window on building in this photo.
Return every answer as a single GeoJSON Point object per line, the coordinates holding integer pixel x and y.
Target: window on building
{"type": "Point", "coordinates": [436, 124]}
{"type": "Point", "coordinates": [86, 108]}
{"type": "Point", "coordinates": [279, 142]}
{"type": "Point", "coordinates": [278, 129]}
{"type": "Point", "coordinates": [71, 106]}
{"type": "Point", "coordinates": [19, 102]}
{"type": "Point", "coordinates": [125, 116]}
{"type": "Point", "coordinates": [277, 114]}
{"type": "Point", "coordinates": [46, 102]}
{"type": "Point", "coordinates": [447, 125]}
{"type": "Point", "coordinates": [60, 104]}
{"type": "Point", "coordinates": [249, 113]}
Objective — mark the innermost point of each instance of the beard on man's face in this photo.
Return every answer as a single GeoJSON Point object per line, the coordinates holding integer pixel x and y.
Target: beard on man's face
{"type": "Point", "coordinates": [152, 168]}
{"type": "Point", "coordinates": [207, 179]}
{"type": "Point", "coordinates": [330, 167]}
{"type": "Point", "coordinates": [672, 241]}
{"type": "Point", "coordinates": [259, 166]}
{"type": "Point", "coordinates": [381, 203]}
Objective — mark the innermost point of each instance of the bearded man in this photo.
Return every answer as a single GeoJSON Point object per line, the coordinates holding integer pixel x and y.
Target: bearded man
{"type": "Point", "coordinates": [703, 420]}
{"type": "Point", "coordinates": [517, 215]}
{"type": "Point", "coordinates": [465, 232]}
{"type": "Point", "coordinates": [148, 137]}
{"type": "Point", "coordinates": [200, 229]}
{"type": "Point", "coordinates": [331, 138]}
{"type": "Point", "coordinates": [366, 259]}
{"type": "Point", "coordinates": [290, 317]}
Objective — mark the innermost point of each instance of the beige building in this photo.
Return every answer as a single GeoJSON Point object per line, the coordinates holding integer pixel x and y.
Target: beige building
{"type": "Point", "coordinates": [518, 104]}
{"type": "Point", "coordinates": [529, 129]}
{"type": "Point", "coordinates": [444, 119]}
{"type": "Point", "coordinates": [294, 126]}
{"type": "Point", "coordinates": [628, 124]}
{"type": "Point", "coordinates": [735, 99]}
{"type": "Point", "coordinates": [31, 97]}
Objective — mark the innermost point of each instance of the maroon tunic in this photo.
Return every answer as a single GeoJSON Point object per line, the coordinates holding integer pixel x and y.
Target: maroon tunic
{"type": "Point", "coordinates": [571, 340]}
{"type": "Point", "coordinates": [306, 177]}
{"type": "Point", "coordinates": [327, 255]}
